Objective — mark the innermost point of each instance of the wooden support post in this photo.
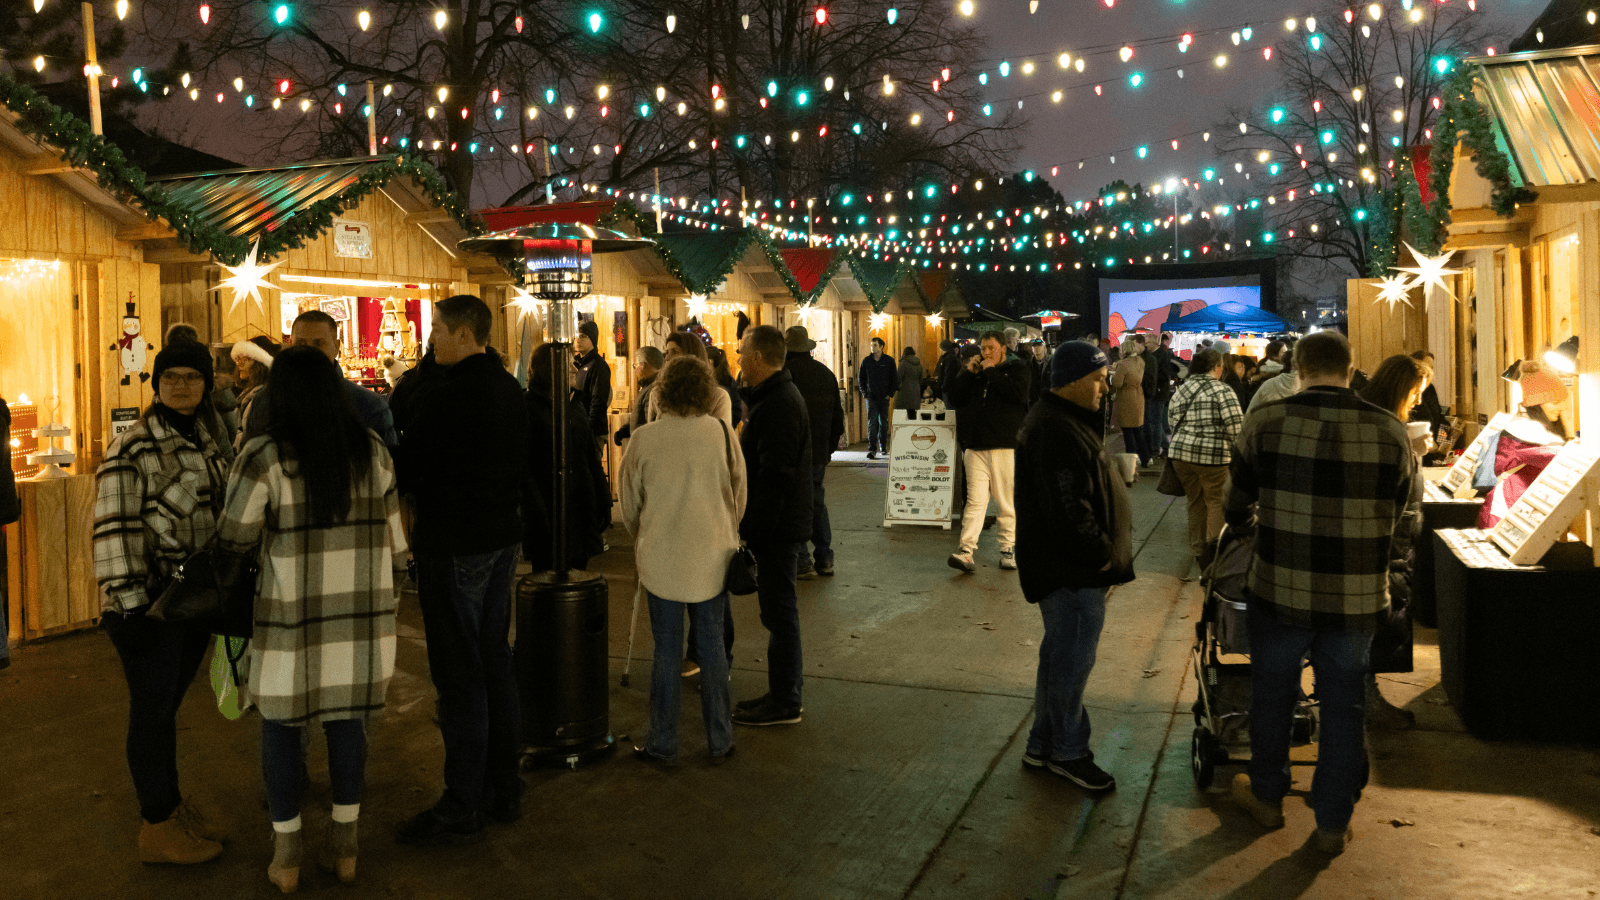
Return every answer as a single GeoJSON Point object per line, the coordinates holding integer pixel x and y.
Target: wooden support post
{"type": "Point", "coordinates": [92, 65]}
{"type": "Point", "coordinates": [372, 122]}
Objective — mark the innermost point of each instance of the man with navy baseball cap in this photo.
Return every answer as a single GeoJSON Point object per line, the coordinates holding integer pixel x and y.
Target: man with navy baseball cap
{"type": "Point", "coordinates": [1069, 496]}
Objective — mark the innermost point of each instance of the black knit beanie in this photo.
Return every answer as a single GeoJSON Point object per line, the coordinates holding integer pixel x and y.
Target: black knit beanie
{"type": "Point", "coordinates": [184, 354]}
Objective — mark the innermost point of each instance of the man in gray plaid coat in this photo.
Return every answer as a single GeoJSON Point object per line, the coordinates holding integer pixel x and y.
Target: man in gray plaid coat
{"type": "Point", "coordinates": [464, 434]}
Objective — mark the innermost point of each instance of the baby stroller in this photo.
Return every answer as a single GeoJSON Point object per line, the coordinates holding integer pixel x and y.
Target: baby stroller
{"type": "Point", "coordinates": [1222, 668]}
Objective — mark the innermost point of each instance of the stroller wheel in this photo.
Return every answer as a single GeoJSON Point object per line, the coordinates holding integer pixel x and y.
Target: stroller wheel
{"type": "Point", "coordinates": [1199, 712]}
{"type": "Point", "coordinates": [1202, 757]}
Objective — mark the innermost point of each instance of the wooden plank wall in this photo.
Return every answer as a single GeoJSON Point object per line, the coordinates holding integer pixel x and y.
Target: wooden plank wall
{"type": "Point", "coordinates": [57, 585]}
{"type": "Point", "coordinates": [1377, 330]}
{"type": "Point", "coordinates": [401, 251]}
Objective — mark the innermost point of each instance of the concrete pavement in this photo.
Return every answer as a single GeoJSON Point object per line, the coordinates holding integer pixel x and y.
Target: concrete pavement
{"type": "Point", "coordinates": [903, 781]}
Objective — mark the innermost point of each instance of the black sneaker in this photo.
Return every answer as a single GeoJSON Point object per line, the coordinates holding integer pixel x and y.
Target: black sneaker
{"type": "Point", "coordinates": [872, 454]}
{"type": "Point", "coordinates": [768, 713]}
{"type": "Point", "coordinates": [1034, 761]}
{"type": "Point", "coordinates": [804, 569]}
{"type": "Point", "coordinates": [825, 568]}
{"type": "Point", "coordinates": [1083, 773]}
{"type": "Point", "coordinates": [427, 829]}
{"type": "Point", "coordinates": [752, 703]}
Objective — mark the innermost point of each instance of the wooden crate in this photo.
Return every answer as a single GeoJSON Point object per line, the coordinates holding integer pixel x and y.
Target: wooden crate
{"type": "Point", "coordinates": [52, 557]}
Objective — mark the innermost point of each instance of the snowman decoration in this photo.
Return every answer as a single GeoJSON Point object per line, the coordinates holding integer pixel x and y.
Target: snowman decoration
{"type": "Point", "coordinates": [131, 348]}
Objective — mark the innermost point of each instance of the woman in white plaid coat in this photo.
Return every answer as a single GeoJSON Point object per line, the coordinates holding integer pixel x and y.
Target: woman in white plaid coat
{"type": "Point", "coordinates": [317, 495]}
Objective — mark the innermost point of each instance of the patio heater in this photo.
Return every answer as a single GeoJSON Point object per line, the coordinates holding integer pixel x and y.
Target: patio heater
{"type": "Point", "coordinates": [562, 634]}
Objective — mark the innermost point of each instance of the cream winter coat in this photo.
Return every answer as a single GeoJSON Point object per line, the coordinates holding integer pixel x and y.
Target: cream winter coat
{"type": "Point", "coordinates": [682, 502]}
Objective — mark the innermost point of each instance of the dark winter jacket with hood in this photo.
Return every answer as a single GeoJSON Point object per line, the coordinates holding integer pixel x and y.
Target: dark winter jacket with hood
{"type": "Point", "coordinates": [991, 404]}
{"type": "Point", "coordinates": [1074, 522]}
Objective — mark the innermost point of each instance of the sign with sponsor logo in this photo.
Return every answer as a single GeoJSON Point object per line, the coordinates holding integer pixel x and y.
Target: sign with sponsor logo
{"type": "Point", "coordinates": [921, 483]}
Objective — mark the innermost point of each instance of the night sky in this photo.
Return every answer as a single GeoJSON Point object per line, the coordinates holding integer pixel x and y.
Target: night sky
{"type": "Point", "coordinates": [1164, 106]}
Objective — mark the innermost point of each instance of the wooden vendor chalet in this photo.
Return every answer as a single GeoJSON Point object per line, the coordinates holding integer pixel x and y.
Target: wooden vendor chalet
{"type": "Point", "coordinates": [371, 241]}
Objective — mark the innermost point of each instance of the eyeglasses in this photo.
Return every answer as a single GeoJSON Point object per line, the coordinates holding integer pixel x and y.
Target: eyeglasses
{"type": "Point", "coordinates": [170, 377]}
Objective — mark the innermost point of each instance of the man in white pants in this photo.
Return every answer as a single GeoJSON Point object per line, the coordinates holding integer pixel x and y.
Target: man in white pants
{"type": "Point", "coordinates": [991, 399]}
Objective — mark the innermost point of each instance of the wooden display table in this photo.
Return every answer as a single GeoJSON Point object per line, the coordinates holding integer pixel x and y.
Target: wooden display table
{"type": "Point", "coordinates": [51, 560]}
{"type": "Point", "coordinates": [1517, 643]}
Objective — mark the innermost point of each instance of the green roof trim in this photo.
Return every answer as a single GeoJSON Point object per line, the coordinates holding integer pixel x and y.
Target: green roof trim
{"type": "Point", "coordinates": [81, 147]}
{"type": "Point", "coordinates": [879, 278]}
{"type": "Point", "coordinates": [701, 262]}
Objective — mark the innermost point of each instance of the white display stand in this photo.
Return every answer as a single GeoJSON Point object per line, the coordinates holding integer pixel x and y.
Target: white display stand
{"type": "Point", "coordinates": [1548, 507]}
{"type": "Point", "coordinates": [922, 467]}
{"type": "Point", "coordinates": [1466, 465]}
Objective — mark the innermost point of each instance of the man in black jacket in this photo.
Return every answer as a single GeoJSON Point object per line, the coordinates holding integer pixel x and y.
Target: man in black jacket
{"type": "Point", "coordinates": [991, 398]}
{"type": "Point", "coordinates": [464, 450]}
{"type": "Point", "coordinates": [877, 382]}
{"type": "Point", "coordinates": [1069, 497]}
{"type": "Point", "coordinates": [944, 371]}
{"type": "Point", "coordinates": [594, 380]}
{"type": "Point", "coordinates": [776, 441]}
{"type": "Point", "coordinates": [825, 418]}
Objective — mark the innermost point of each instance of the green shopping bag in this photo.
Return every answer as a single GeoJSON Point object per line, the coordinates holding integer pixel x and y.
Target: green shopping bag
{"type": "Point", "coordinates": [230, 672]}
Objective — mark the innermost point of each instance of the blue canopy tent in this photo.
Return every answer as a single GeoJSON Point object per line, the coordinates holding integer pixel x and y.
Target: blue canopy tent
{"type": "Point", "coordinates": [1228, 316]}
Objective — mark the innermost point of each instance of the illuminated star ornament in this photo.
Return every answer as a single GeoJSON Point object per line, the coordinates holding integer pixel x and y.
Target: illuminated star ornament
{"type": "Point", "coordinates": [248, 278]}
{"type": "Point", "coordinates": [935, 319]}
{"type": "Point", "coordinates": [525, 302]}
{"type": "Point", "coordinates": [697, 306]}
{"type": "Point", "coordinates": [1393, 290]}
{"type": "Point", "coordinates": [878, 322]}
{"type": "Point", "coordinates": [808, 313]}
{"type": "Point", "coordinates": [1431, 271]}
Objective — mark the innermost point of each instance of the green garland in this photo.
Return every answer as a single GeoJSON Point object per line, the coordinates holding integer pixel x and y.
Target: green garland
{"type": "Point", "coordinates": [625, 209]}
{"type": "Point", "coordinates": [1462, 119]}
{"type": "Point", "coordinates": [313, 221]}
{"type": "Point", "coordinates": [84, 149]}
{"type": "Point", "coordinates": [878, 294]}
{"type": "Point", "coordinates": [832, 269]}
{"type": "Point", "coordinates": [720, 274]}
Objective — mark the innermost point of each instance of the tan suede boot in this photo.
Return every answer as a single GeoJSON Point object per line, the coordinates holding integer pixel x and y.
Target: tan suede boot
{"type": "Point", "coordinates": [284, 870]}
{"type": "Point", "coordinates": [340, 855]}
{"type": "Point", "coordinates": [199, 824]}
{"type": "Point", "coordinates": [171, 842]}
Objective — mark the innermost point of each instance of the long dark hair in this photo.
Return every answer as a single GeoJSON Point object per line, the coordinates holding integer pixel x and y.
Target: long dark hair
{"type": "Point", "coordinates": [1392, 384]}
{"type": "Point", "coordinates": [313, 424]}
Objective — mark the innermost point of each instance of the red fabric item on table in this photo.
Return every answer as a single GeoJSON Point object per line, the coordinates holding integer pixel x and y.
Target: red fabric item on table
{"type": "Point", "coordinates": [1509, 454]}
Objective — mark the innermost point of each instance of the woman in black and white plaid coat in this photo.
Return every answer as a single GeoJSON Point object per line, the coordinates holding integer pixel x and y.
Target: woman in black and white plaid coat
{"type": "Point", "coordinates": [317, 495]}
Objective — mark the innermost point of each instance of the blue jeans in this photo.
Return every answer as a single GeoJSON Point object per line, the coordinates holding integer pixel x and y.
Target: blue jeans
{"type": "Point", "coordinates": [1155, 426]}
{"type": "Point", "coordinates": [1339, 659]}
{"type": "Point", "coordinates": [283, 762]}
{"type": "Point", "coordinates": [821, 531]}
{"type": "Point", "coordinates": [1073, 619]}
{"type": "Point", "coordinates": [159, 660]}
{"type": "Point", "coordinates": [878, 425]}
{"type": "Point", "coordinates": [466, 611]}
{"type": "Point", "coordinates": [780, 613]}
{"type": "Point", "coordinates": [666, 681]}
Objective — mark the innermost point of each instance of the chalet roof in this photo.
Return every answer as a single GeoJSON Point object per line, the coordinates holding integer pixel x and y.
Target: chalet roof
{"type": "Point", "coordinates": [287, 206]}
{"type": "Point", "coordinates": [879, 279]}
{"type": "Point", "coordinates": [1546, 111]}
{"type": "Point", "coordinates": [813, 268]}
{"type": "Point", "coordinates": [702, 260]}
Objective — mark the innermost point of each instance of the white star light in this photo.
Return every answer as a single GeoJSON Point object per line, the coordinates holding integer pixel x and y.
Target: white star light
{"type": "Point", "coordinates": [248, 278]}
{"type": "Point", "coordinates": [1430, 270]}
{"type": "Point", "coordinates": [808, 314]}
{"type": "Point", "coordinates": [697, 306]}
{"type": "Point", "coordinates": [878, 322]}
{"type": "Point", "coordinates": [1393, 290]}
{"type": "Point", "coordinates": [526, 302]}
{"type": "Point", "coordinates": [935, 319]}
